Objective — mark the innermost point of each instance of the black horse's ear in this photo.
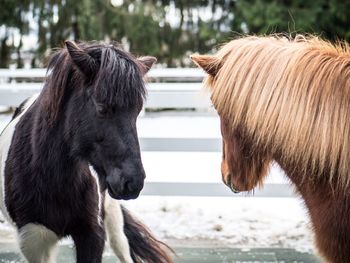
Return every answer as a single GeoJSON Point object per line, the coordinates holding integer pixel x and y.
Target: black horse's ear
{"type": "Point", "coordinates": [85, 63]}
{"type": "Point", "coordinates": [210, 64]}
{"type": "Point", "coordinates": [146, 63]}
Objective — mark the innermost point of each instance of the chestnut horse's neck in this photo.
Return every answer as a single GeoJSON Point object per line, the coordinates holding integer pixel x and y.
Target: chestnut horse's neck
{"type": "Point", "coordinates": [329, 209]}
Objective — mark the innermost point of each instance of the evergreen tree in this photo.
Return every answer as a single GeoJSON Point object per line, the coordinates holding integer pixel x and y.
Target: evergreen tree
{"type": "Point", "coordinates": [167, 29]}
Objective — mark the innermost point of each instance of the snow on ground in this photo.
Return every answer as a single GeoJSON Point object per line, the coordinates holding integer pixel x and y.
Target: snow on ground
{"type": "Point", "coordinates": [239, 222]}
{"type": "Point", "coordinates": [235, 222]}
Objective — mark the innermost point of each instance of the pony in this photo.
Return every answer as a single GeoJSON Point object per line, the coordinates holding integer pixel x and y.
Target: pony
{"type": "Point", "coordinates": [71, 151]}
{"type": "Point", "coordinates": [287, 99]}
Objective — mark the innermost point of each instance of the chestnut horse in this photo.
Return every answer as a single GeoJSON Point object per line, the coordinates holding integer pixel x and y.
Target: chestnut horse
{"type": "Point", "coordinates": [288, 101]}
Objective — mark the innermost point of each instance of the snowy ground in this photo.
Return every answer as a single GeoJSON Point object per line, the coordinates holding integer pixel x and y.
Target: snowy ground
{"type": "Point", "coordinates": [237, 222]}
{"type": "Point", "coordinates": [234, 222]}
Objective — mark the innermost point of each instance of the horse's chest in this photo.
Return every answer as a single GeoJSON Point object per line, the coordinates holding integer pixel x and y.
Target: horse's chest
{"type": "Point", "coordinates": [61, 208]}
{"type": "Point", "coordinates": [66, 214]}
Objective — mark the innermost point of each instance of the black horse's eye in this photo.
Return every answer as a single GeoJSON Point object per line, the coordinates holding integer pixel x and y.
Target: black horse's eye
{"type": "Point", "coordinates": [99, 139]}
{"type": "Point", "coordinates": [101, 110]}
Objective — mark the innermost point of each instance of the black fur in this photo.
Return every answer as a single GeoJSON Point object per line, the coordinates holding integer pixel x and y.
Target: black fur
{"type": "Point", "coordinates": [19, 109]}
{"type": "Point", "coordinates": [78, 119]}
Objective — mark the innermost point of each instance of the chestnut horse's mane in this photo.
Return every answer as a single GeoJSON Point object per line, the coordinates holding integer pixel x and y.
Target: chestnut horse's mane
{"type": "Point", "coordinates": [292, 96]}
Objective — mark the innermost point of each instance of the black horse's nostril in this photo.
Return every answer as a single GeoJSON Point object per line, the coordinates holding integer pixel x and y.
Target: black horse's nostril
{"type": "Point", "coordinates": [134, 185]}
{"type": "Point", "coordinates": [115, 184]}
{"type": "Point", "coordinates": [129, 187]}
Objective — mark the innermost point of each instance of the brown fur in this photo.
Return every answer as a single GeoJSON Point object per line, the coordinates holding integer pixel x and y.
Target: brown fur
{"type": "Point", "coordinates": [301, 87]}
{"type": "Point", "coordinates": [241, 168]}
{"type": "Point", "coordinates": [288, 100]}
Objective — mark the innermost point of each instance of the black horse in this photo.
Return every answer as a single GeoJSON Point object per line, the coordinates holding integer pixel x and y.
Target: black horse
{"type": "Point", "coordinates": [71, 151]}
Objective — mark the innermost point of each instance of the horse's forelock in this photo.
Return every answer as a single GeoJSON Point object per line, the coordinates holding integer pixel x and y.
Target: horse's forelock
{"type": "Point", "coordinates": [119, 80]}
{"type": "Point", "coordinates": [293, 98]}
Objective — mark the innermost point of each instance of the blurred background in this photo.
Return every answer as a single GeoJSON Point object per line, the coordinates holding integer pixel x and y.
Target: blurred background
{"type": "Point", "coordinates": [184, 201]}
{"type": "Point", "coordinates": [169, 30]}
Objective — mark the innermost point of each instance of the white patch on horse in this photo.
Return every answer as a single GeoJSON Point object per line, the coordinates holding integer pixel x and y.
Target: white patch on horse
{"type": "Point", "coordinates": [114, 223]}
{"type": "Point", "coordinates": [37, 243]}
{"type": "Point", "coordinates": [95, 176]}
{"type": "Point", "coordinates": [5, 144]}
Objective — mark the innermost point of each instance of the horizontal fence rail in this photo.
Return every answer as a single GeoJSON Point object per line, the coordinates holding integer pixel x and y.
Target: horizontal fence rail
{"type": "Point", "coordinates": [160, 95]}
{"type": "Point", "coordinates": [167, 88]}
{"type": "Point", "coordinates": [212, 190]}
{"type": "Point", "coordinates": [185, 90]}
{"type": "Point", "coordinates": [156, 74]}
{"type": "Point", "coordinates": [181, 144]}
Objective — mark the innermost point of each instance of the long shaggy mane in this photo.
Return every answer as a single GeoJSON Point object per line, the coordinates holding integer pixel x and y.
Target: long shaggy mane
{"type": "Point", "coordinates": [117, 80]}
{"type": "Point", "coordinates": [292, 96]}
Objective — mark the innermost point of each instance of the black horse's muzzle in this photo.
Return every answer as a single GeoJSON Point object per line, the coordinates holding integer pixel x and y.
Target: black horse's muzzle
{"type": "Point", "coordinates": [124, 187]}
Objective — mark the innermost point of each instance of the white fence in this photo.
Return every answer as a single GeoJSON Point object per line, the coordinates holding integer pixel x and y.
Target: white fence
{"type": "Point", "coordinates": [167, 88]}
{"type": "Point", "coordinates": [17, 85]}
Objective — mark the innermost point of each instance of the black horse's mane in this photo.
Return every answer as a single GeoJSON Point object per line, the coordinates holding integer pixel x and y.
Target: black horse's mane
{"type": "Point", "coordinates": [115, 78]}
